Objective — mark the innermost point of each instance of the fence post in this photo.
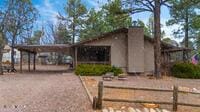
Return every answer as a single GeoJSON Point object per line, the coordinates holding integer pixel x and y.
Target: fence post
{"type": "Point", "coordinates": [175, 98]}
{"type": "Point", "coordinates": [100, 95]}
{"type": "Point", "coordinates": [94, 105]}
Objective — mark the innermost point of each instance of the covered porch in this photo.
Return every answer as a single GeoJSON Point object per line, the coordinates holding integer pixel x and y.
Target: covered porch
{"type": "Point", "coordinates": [171, 55]}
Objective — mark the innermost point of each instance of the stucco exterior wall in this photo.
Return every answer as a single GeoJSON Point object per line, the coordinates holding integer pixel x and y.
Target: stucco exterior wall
{"type": "Point", "coordinates": [118, 44]}
{"type": "Point", "coordinates": [148, 56]}
{"type": "Point", "coordinates": [135, 50]}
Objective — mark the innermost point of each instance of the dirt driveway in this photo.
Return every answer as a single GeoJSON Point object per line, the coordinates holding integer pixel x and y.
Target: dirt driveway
{"type": "Point", "coordinates": [42, 93]}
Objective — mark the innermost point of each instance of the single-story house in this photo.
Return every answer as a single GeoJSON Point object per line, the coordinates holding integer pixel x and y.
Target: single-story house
{"type": "Point", "coordinates": [127, 48]}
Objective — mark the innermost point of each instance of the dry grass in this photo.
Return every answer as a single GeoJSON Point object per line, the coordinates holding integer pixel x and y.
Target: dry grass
{"type": "Point", "coordinates": [135, 81]}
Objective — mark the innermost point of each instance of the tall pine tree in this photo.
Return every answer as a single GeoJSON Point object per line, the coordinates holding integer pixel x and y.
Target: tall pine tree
{"type": "Point", "coordinates": [182, 13]}
{"type": "Point", "coordinates": [75, 14]}
{"type": "Point", "coordinates": [105, 20]}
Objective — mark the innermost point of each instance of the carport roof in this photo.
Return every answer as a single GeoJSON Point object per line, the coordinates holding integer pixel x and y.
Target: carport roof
{"type": "Point", "coordinates": [44, 48]}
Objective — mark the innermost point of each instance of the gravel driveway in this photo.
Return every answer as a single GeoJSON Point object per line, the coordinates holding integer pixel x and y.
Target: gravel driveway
{"type": "Point", "coordinates": [42, 93]}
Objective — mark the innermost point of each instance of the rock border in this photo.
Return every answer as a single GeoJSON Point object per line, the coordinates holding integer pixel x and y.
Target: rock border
{"type": "Point", "coordinates": [86, 89]}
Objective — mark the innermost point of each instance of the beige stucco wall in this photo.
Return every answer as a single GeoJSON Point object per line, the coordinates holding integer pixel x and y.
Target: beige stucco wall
{"type": "Point", "coordinates": [135, 50]}
{"type": "Point", "coordinates": [148, 56]}
{"type": "Point", "coordinates": [118, 43]}
{"type": "Point", "coordinates": [133, 54]}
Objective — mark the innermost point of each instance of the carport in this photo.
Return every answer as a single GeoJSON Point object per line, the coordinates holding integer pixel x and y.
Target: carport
{"type": "Point", "coordinates": [34, 49]}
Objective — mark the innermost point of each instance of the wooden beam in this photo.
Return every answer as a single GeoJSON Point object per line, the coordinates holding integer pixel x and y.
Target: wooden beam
{"type": "Point", "coordinates": [135, 88]}
{"type": "Point", "coordinates": [21, 58]}
{"type": "Point", "coordinates": [187, 104]}
{"type": "Point", "coordinates": [176, 50]}
{"type": "Point", "coordinates": [29, 62]}
{"type": "Point", "coordinates": [136, 101]}
{"type": "Point", "coordinates": [34, 56]}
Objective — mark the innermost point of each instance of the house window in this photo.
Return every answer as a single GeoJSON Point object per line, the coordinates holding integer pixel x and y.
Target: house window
{"type": "Point", "coordinates": [94, 54]}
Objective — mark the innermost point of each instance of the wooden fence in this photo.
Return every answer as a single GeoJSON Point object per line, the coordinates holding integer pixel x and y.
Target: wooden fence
{"type": "Point", "coordinates": [97, 101]}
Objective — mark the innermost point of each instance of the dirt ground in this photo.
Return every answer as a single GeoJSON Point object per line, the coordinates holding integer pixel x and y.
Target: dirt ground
{"type": "Point", "coordinates": [42, 92]}
{"type": "Point", "coordinates": [139, 81]}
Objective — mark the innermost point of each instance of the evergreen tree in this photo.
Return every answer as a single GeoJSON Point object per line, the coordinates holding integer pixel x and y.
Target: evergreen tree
{"type": "Point", "coordinates": [94, 25]}
{"type": "Point", "coordinates": [62, 35]}
{"type": "Point", "coordinates": [182, 13]}
{"type": "Point", "coordinates": [105, 20]}
{"type": "Point", "coordinates": [113, 20]}
{"type": "Point", "coordinates": [35, 39]}
{"type": "Point", "coordinates": [76, 12]}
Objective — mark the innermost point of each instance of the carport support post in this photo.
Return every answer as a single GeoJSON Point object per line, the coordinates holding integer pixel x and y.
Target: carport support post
{"type": "Point", "coordinates": [34, 56]}
{"type": "Point", "coordinates": [29, 58]}
{"type": "Point", "coordinates": [75, 58]}
{"type": "Point", "coordinates": [21, 61]}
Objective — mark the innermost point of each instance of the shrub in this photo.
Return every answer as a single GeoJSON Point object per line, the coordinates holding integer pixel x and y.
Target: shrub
{"type": "Point", "coordinates": [186, 70]}
{"type": "Point", "coordinates": [96, 70]}
{"type": "Point", "coordinates": [116, 71]}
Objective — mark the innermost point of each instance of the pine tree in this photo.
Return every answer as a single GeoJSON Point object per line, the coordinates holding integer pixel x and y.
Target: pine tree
{"type": "Point", "coordinates": [75, 14]}
{"type": "Point", "coordinates": [105, 20]}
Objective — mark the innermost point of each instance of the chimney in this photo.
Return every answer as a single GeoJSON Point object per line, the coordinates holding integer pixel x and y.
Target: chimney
{"type": "Point", "coordinates": [135, 55]}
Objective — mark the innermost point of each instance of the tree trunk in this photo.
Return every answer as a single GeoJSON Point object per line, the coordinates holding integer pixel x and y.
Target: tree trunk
{"type": "Point", "coordinates": [186, 34]}
{"type": "Point", "coordinates": [1, 56]}
{"type": "Point", "coordinates": [13, 55]}
{"type": "Point", "coordinates": [73, 35]}
{"type": "Point", "coordinates": [157, 40]}
{"type": "Point", "coordinates": [2, 37]}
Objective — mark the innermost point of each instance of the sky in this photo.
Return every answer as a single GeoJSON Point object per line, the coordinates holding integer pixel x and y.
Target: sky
{"type": "Point", "coordinates": [49, 9]}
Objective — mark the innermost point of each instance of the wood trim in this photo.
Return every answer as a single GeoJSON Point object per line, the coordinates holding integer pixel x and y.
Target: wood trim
{"type": "Point", "coordinates": [93, 62]}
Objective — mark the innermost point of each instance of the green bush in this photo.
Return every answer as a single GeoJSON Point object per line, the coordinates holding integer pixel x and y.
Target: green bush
{"type": "Point", "coordinates": [116, 71]}
{"type": "Point", "coordinates": [96, 70]}
{"type": "Point", "coordinates": [186, 70]}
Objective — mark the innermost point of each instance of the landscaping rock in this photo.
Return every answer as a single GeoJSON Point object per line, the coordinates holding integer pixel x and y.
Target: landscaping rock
{"type": "Point", "coordinates": [146, 110]}
{"type": "Point", "coordinates": [123, 107]}
{"type": "Point", "coordinates": [105, 110]}
{"type": "Point", "coordinates": [164, 110]}
{"type": "Point", "coordinates": [152, 110]}
{"type": "Point", "coordinates": [130, 109]}
{"type": "Point", "coordinates": [118, 111]}
{"type": "Point", "coordinates": [110, 109]}
{"type": "Point", "coordinates": [158, 110]}
{"type": "Point", "coordinates": [137, 110]}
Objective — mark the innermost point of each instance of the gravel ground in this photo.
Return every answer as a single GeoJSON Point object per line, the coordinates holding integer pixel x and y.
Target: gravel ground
{"type": "Point", "coordinates": [46, 92]}
{"type": "Point", "coordinates": [139, 81]}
